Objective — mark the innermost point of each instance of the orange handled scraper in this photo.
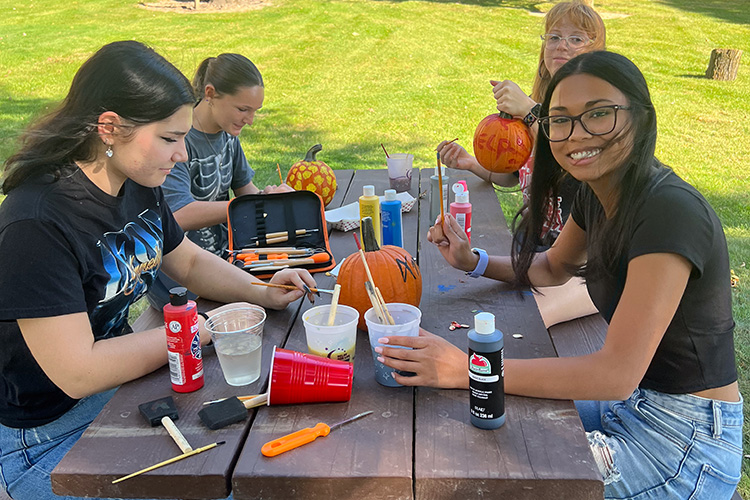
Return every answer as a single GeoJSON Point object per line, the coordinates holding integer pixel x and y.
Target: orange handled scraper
{"type": "Point", "coordinates": [304, 436]}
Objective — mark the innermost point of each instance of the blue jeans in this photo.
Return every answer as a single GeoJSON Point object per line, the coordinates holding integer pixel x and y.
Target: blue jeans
{"type": "Point", "coordinates": [27, 456]}
{"type": "Point", "coordinates": [656, 446]}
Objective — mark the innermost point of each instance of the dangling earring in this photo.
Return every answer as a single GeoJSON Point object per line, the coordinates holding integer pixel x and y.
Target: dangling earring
{"type": "Point", "coordinates": [109, 151]}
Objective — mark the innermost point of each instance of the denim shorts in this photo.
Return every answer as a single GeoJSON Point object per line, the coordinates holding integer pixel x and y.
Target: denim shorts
{"type": "Point", "coordinates": [656, 446]}
{"type": "Point", "coordinates": [28, 456]}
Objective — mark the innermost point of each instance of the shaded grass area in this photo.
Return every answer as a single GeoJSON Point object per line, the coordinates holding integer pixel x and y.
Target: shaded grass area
{"type": "Point", "coordinates": [350, 74]}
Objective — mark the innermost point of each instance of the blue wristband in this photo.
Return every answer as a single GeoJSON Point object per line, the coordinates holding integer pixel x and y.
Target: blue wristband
{"type": "Point", "coordinates": [484, 259]}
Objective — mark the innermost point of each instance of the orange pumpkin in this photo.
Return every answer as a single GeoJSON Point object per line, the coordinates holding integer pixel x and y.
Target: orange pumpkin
{"type": "Point", "coordinates": [313, 175]}
{"type": "Point", "coordinates": [502, 144]}
{"type": "Point", "coordinates": [394, 272]}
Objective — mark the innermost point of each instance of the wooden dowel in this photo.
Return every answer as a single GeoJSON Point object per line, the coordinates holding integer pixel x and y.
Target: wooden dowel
{"type": "Point", "coordinates": [173, 431]}
{"type": "Point", "coordinates": [334, 304]}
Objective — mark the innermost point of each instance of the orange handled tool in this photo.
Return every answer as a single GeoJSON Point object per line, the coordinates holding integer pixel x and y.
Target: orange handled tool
{"type": "Point", "coordinates": [304, 436]}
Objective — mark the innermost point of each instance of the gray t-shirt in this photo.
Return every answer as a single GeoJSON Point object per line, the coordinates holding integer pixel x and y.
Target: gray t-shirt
{"type": "Point", "coordinates": [216, 163]}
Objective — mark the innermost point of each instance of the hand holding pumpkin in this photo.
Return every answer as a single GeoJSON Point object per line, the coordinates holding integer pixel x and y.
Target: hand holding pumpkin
{"type": "Point", "coordinates": [511, 99]}
{"type": "Point", "coordinates": [436, 362]}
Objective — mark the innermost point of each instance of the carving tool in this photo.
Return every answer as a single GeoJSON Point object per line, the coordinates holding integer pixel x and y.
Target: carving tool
{"type": "Point", "coordinates": [304, 436]}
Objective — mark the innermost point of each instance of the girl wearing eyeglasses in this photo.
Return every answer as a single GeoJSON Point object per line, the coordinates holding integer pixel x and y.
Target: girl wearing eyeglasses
{"type": "Point", "coordinates": [660, 399]}
{"type": "Point", "coordinates": [571, 28]}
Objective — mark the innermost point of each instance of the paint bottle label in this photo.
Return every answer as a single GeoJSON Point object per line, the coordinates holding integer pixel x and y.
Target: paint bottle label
{"type": "Point", "coordinates": [183, 342]}
{"type": "Point", "coordinates": [486, 384]}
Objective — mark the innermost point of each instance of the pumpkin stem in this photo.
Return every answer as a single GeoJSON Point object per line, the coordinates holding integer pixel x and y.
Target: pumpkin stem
{"type": "Point", "coordinates": [310, 156]}
{"type": "Point", "coordinates": [503, 114]}
{"type": "Point", "coordinates": [369, 242]}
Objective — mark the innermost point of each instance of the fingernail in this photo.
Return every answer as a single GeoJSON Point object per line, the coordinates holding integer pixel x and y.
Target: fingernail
{"type": "Point", "coordinates": [383, 340]}
{"type": "Point", "coordinates": [381, 359]}
{"type": "Point", "coordinates": [379, 350]}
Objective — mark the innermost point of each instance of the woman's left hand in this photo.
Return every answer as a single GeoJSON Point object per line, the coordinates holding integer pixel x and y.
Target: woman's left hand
{"type": "Point", "coordinates": [436, 362]}
{"type": "Point", "coordinates": [279, 298]}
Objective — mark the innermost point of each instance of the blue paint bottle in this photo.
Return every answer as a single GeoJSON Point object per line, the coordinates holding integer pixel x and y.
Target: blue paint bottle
{"type": "Point", "coordinates": [390, 215]}
{"type": "Point", "coordinates": [486, 373]}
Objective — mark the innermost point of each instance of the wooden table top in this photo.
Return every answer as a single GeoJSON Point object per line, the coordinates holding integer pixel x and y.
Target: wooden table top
{"type": "Point", "coordinates": [417, 443]}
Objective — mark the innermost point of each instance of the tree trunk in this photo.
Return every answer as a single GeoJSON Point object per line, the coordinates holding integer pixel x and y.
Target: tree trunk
{"type": "Point", "coordinates": [724, 64]}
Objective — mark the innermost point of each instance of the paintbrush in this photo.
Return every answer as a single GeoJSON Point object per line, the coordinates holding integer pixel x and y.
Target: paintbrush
{"type": "Point", "coordinates": [334, 304]}
{"type": "Point", "coordinates": [316, 291]}
{"type": "Point", "coordinates": [170, 461]}
{"type": "Point", "coordinates": [278, 169]}
{"type": "Point", "coordinates": [384, 151]}
{"type": "Point", "coordinates": [440, 183]}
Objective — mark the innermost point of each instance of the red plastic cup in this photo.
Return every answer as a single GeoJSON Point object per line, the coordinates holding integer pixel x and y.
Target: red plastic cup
{"type": "Point", "coordinates": [298, 377]}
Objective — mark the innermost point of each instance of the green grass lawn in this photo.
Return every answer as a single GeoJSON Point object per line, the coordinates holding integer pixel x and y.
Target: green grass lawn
{"type": "Point", "coordinates": [351, 74]}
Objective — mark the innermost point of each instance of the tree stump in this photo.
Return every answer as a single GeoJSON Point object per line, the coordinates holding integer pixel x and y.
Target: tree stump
{"type": "Point", "coordinates": [724, 64]}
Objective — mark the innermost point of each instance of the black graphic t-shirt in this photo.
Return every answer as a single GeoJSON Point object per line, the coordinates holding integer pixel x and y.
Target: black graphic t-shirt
{"type": "Point", "coordinates": [68, 247]}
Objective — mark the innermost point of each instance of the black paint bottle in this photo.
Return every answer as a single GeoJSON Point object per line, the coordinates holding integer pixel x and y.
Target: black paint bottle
{"type": "Point", "coordinates": [486, 372]}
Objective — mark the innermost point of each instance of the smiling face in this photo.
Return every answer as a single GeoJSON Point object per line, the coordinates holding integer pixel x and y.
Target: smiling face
{"type": "Point", "coordinates": [148, 154]}
{"type": "Point", "coordinates": [587, 157]}
{"type": "Point", "coordinates": [556, 55]}
{"type": "Point", "coordinates": [231, 112]}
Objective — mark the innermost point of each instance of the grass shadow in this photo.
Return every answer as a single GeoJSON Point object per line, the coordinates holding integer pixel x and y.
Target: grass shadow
{"type": "Point", "coordinates": [731, 11]}
{"type": "Point", "coordinates": [16, 114]}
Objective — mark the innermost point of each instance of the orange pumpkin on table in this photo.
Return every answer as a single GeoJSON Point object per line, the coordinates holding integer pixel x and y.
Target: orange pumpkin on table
{"type": "Point", "coordinates": [394, 272]}
{"type": "Point", "coordinates": [502, 144]}
{"type": "Point", "coordinates": [313, 175]}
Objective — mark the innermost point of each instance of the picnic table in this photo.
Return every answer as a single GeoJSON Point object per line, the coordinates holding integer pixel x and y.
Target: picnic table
{"type": "Point", "coordinates": [417, 443]}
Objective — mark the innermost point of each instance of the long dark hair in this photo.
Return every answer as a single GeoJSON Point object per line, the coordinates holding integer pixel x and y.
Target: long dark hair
{"type": "Point", "coordinates": [227, 73]}
{"type": "Point", "coordinates": [606, 238]}
{"type": "Point", "coordinates": [125, 77]}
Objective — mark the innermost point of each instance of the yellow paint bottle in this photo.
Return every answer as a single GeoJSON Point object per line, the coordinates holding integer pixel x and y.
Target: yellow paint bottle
{"type": "Point", "coordinates": [369, 206]}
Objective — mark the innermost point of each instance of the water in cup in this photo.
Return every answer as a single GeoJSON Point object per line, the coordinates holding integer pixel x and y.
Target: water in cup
{"type": "Point", "coordinates": [237, 335]}
{"type": "Point", "coordinates": [335, 341]}
{"type": "Point", "coordinates": [240, 358]}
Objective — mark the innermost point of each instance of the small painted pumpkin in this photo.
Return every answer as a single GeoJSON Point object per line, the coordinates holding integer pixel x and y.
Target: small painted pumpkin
{"type": "Point", "coordinates": [313, 175]}
{"type": "Point", "coordinates": [502, 144]}
{"type": "Point", "coordinates": [394, 272]}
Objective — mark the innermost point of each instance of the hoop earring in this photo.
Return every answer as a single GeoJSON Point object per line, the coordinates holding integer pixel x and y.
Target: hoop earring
{"type": "Point", "coordinates": [109, 151]}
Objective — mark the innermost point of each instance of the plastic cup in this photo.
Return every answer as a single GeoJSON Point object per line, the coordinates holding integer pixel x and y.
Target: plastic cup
{"type": "Point", "coordinates": [333, 342]}
{"type": "Point", "coordinates": [298, 377]}
{"type": "Point", "coordinates": [407, 318]}
{"type": "Point", "coordinates": [399, 171]}
{"type": "Point", "coordinates": [237, 335]}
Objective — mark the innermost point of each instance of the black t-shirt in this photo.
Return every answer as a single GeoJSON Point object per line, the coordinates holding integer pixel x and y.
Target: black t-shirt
{"type": "Point", "coordinates": [68, 247]}
{"type": "Point", "coordinates": [697, 350]}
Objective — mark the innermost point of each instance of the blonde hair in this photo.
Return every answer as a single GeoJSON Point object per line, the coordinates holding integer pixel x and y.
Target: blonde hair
{"type": "Point", "coordinates": [583, 17]}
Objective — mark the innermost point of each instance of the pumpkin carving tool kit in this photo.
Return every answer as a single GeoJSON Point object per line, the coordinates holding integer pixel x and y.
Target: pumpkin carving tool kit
{"type": "Point", "coordinates": [269, 232]}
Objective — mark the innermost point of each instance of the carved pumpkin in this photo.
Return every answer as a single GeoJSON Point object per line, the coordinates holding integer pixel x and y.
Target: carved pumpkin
{"type": "Point", "coordinates": [394, 272]}
{"type": "Point", "coordinates": [501, 143]}
{"type": "Point", "coordinates": [313, 175]}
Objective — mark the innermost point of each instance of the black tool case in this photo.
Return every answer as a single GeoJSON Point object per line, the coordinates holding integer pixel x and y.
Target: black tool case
{"type": "Point", "coordinates": [279, 220]}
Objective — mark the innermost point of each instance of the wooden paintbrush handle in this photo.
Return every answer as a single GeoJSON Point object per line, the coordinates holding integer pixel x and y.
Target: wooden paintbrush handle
{"type": "Point", "coordinates": [176, 435]}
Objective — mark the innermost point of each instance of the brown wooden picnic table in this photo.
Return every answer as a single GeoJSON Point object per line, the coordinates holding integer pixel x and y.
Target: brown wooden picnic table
{"type": "Point", "coordinates": [417, 443]}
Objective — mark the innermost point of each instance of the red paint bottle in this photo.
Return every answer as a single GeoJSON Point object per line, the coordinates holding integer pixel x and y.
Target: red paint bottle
{"type": "Point", "coordinates": [183, 341]}
{"type": "Point", "coordinates": [461, 208]}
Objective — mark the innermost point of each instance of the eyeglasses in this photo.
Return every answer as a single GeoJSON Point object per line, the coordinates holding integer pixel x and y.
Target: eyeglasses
{"type": "Point", "coordinates": [597, 121]}
{"type": "Point", "coordinates": [573, 41]}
